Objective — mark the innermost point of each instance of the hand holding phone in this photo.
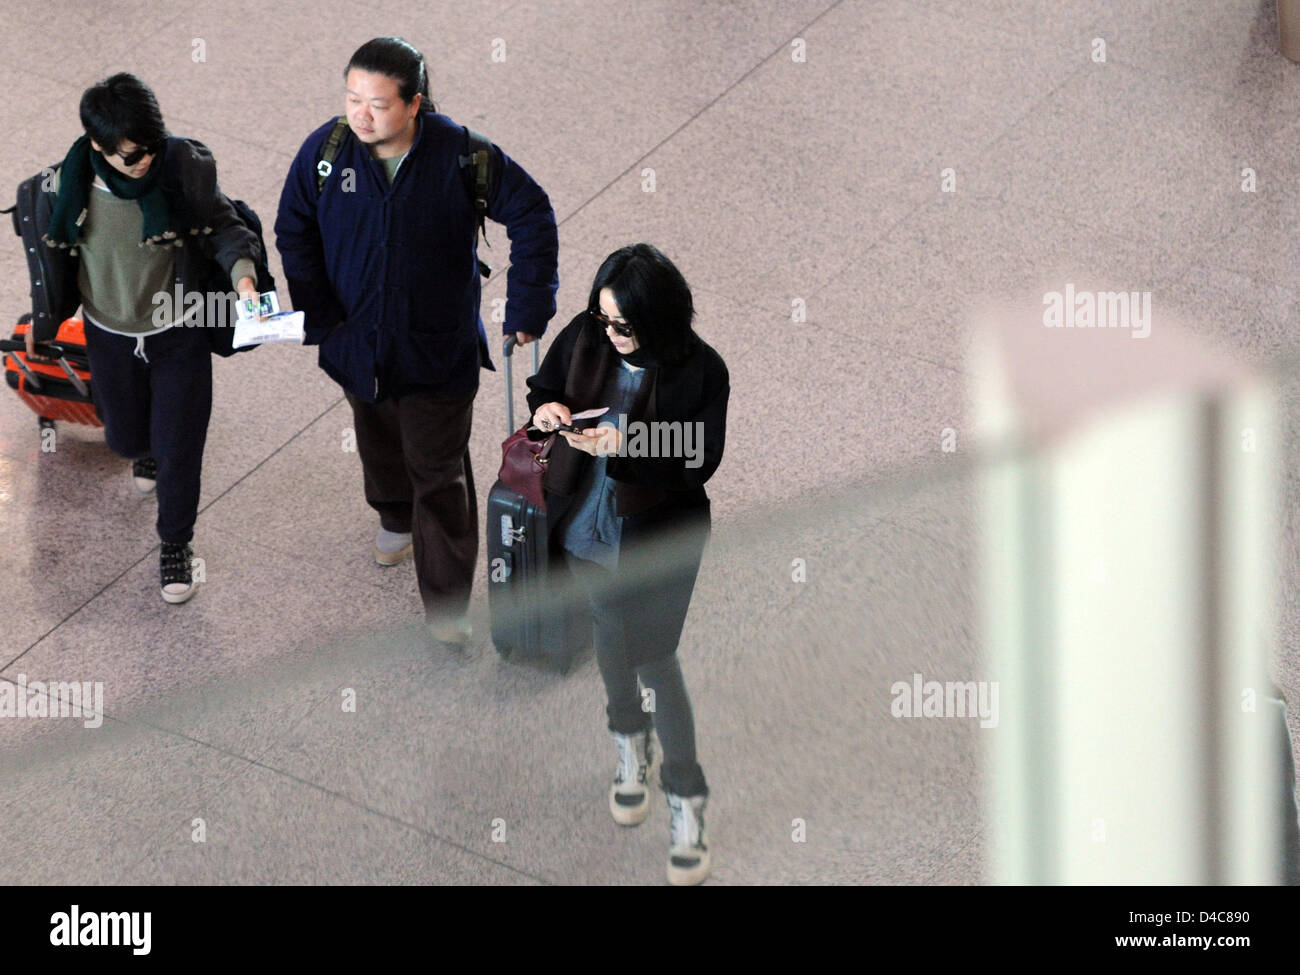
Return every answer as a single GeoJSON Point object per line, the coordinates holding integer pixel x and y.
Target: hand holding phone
{"type": "Point", "coordinates": [555, 425]}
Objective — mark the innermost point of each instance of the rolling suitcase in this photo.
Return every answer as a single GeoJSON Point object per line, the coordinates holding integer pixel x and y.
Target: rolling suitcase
{"type": "Point", "coordinates": [535, 610]}
{"type": "Point", "coordinates": [55, 384]}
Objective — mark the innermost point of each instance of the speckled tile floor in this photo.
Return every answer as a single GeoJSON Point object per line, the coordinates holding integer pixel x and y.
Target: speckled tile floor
{"type": "Point", "coordinates": [799, 153]}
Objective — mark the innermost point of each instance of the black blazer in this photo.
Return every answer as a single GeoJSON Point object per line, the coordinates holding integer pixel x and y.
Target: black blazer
{"type": "Point", "coordinates": [648, 490]}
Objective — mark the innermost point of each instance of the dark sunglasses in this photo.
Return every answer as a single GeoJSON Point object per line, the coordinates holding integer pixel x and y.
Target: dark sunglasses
{"type": "Point", "coordinates": [135, 155]}
{"type": "Point", "coordinates": [620, 328]}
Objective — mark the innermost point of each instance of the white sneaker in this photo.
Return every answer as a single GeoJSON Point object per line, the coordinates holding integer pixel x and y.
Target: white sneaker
{"type": "Point", "coordinates": [144, 474]}
{"type": "Point", "coordinates": [392, 547]}
{"type": "Point", "coordinates": [629, 796]}
{"type": "Point", "coordinates": [688, 857]}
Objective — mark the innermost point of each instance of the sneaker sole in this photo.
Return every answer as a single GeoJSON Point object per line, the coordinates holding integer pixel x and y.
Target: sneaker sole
{"type": "Point", "coordinates": [629, 815]}
{"type": "Point", "coordinates": [176, 598]}
{"type": "Point", "coordinates": [387, 559]}
{"type": "Point", "coordinates": [692, 876]}
{"type": "Point", "coordinates": [144, 490]}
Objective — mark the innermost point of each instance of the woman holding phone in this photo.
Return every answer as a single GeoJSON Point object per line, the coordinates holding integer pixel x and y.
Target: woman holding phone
{"type": "Point", "coordinates": [632, 527]}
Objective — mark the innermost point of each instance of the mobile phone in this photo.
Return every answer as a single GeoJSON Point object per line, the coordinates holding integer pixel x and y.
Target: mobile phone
{"type": "Point", "coordinates": [584, 415]}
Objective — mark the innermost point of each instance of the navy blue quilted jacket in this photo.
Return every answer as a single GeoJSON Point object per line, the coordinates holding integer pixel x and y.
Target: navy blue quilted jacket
{"type": "Point", "coordinates": [387, 274]}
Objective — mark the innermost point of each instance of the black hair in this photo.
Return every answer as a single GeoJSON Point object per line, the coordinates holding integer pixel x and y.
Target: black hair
{"type": "Point", "coordinates": [652, 297]}
{"type": "Point", "coordinates": [400, 61]}
{"type": "Point", "coordinates": [122, 108]}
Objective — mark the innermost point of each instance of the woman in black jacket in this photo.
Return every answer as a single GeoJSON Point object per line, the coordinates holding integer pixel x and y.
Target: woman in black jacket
{"type": "Point", "coordinates": [627, 505]}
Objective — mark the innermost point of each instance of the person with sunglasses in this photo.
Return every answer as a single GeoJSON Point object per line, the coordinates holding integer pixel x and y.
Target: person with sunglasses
{"type": "Point", "coordinates": [633, 528]}
{"type": "Point", "coordinates": [136, 217]}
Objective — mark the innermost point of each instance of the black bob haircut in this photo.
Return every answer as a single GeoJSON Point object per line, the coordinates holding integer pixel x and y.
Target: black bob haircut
{"type": "Point", "coordinates": [122, 108]}
{"type": "Point", "coordinates": [400, 61]}
{"type": "Point", "coordinates": [652, 297]}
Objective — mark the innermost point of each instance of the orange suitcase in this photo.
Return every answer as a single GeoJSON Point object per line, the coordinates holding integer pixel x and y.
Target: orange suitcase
{"type": "Point", "coordinates": [55, 383]}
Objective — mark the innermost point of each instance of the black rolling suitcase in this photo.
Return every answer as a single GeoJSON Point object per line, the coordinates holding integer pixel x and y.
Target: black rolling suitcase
{"type": "Point", "coordinates": [536, 611]}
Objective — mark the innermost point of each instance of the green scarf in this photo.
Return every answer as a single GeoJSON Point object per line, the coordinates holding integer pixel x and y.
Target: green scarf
{"type": "Point", "coordinates": [75, 177]}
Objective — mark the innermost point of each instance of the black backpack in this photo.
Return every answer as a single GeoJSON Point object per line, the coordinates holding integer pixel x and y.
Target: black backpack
{"type": "Point", "coordinates": [476, 168]}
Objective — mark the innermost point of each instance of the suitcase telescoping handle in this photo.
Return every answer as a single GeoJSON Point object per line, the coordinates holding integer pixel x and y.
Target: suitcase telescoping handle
{"type": "Point", "coordinates": [507, 351]}
{"type": "Point", "coordinates": [46, 350]}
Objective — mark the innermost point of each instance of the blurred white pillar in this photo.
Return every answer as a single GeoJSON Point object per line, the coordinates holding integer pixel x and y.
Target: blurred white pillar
{"type": "Point", "coordinates": [1128, 602]}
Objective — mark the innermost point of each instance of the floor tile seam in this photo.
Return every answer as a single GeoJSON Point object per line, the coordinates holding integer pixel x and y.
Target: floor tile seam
{"type": "Point", "coordinates": [889, 348]}
{"type": "Point", "coordinates": [132, 566]}
{"type": "Point", "coordinates": [211, 792]}
{"type": "Point", "coordinates": [184, 124]}
{"type": "Point", "coordinates": [427, 834]}
{"type": "Point", "coordinates": [978, 19]}
{"type": "Point", "coordinates": [261, 463]}
{"type": "Point", "coordinates": [921, 533]}
{"type": "Point", "coordinates": [780, 48]}
{"type": "Point", "coordinates": [1036, 105]}
{"type": "Point", "coordinates": [103, 589]}
{"type": "Point", "coordinates": [357, 578]}
{"type": "Point", "coordinates": [922, 203]}
{"type": "Point", "coordinates": [839, 500]}
{"type": "Point", "coordinates": [977, 837]}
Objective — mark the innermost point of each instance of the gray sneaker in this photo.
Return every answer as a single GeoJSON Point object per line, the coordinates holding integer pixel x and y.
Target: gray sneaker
{"type": "Point", "coordinates": [392, 548]}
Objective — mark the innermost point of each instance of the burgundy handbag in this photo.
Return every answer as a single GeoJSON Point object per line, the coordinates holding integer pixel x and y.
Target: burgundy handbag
{"type": "Point", "coordinates": [523, 465]}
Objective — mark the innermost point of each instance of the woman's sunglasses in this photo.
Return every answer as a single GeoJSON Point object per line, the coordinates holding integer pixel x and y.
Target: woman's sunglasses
{"type": "Point", "coordinates": [135, 155]}
{"type": "Point", "coordinates": [620, 328]}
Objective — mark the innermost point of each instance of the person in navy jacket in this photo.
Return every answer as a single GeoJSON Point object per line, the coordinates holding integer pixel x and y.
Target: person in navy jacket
{"type": "Point", "coordinates": [382, 259]}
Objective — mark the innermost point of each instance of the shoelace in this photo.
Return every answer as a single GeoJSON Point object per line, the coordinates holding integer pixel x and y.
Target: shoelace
{"type": "Point", "coordinates": [176, 563]}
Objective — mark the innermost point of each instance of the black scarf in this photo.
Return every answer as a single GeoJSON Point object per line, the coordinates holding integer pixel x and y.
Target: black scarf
{"type": "Point", "coordinates": [163, 221]}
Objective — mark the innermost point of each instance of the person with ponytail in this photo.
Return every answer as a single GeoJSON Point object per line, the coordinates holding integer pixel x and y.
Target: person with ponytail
{"type": "Point", "coordinates": [379, 247]}
{"type": "Point", "coordinates": [632, 523]}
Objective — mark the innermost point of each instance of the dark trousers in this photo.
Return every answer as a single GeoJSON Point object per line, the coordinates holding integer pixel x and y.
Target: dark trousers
{"type": "Point", "coordinates": [157, 406]}
{"type": "Point", "coordinates": [666, 706]}
{"type": "Point", "coordinates": [415, 459]}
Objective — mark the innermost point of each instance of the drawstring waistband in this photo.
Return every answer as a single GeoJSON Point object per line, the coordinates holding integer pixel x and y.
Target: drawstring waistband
{"type": "Point", "coordinates": [139, 348]}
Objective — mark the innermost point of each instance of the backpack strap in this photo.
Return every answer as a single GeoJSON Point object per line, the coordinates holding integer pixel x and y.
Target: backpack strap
{"type": "Point", "coordinates": [476, 171]}
{"type": "Point", "coordinates": [325, 165]}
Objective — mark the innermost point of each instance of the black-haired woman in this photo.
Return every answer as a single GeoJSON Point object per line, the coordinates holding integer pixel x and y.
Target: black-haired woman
{"type": "Point", "coordinates": [633, 523]}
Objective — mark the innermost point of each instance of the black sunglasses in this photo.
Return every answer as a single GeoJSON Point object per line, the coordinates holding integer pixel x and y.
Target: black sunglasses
{"type": "Point", "coordinates": [135, 155]}
{"type": "Point", "coordinates": [620, 328]}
